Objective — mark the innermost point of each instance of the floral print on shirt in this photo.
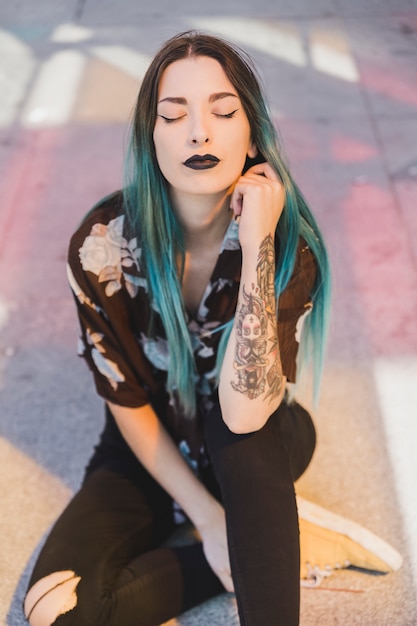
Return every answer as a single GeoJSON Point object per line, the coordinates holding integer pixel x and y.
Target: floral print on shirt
{"type": "Point", "coordinates": [107, 367]}
{"type": "Point", "coordinates": [107, 254]}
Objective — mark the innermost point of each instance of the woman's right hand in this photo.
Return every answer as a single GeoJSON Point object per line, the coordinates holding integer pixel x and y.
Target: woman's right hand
{"type": "Point", "coordinates": [214, 538]}
{"type": "Point", "coordinates": [157, 452]}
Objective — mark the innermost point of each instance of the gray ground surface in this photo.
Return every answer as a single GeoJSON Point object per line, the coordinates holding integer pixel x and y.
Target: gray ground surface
{"type": "Point", "coordinates": [342, 78]}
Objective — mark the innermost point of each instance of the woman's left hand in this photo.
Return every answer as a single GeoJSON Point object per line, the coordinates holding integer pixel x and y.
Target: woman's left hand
{"type": "Point", "coordinates": [257, 200]}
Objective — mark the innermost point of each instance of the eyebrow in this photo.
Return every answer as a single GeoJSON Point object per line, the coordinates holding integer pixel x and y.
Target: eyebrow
{"type": "Point", "coordinates": [213, 98]}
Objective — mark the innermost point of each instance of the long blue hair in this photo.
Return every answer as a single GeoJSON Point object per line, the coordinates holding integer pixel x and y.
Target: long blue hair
{"type": "Point", "coordinates": [152, 218]}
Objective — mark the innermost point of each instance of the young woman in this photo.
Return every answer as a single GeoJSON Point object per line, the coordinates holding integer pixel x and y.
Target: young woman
{"type": "Point", "coordinates": [191, 286]}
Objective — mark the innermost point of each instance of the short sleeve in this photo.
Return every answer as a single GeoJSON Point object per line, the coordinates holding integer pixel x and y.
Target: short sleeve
{"type": "Point", "coordinates": [107, 300]}
{"type": "Point", "coordinates": [294, 304]}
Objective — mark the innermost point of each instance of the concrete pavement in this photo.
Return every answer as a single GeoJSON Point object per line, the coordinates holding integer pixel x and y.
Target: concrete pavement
{"type": "Point", "coordinates": [342, 79]}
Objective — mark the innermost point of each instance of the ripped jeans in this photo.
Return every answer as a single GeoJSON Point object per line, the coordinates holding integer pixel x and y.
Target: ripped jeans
{"type": "Point", "coordinates": [111, 535]}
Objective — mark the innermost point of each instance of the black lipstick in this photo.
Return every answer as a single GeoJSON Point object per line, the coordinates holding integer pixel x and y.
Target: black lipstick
{"type": "Point", "coordinates": [202, 162]}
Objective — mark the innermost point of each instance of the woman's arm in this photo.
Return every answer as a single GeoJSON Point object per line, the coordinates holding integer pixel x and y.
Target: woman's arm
{"type": "Point", "coordinates": [157, 452]}
{"type": "Point", "coordinates": [251, 381]}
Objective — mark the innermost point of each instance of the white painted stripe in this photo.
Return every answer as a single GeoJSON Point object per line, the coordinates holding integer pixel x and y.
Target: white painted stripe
{"type": "Point", "coordinates": [396, 381]}
{"type": "Point", "coordinates": [336, 63]}
{"type": "Point", "coordinates": [278, 40]}
{"type": "Point", "coordinates": [54, 93]}
{"type": "Point", "coordinates": [4, 313]}
{"type": "Point", "coordinates": [129, 61]}
{"type": "Point", "coordinates": [284, 41]}
{"type": "Point", "coordinates": [16, 68]}
{"type": "Point", "coordinates": [71, 33]}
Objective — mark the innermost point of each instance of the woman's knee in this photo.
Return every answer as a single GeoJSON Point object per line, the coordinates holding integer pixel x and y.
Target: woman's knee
{"type": "Point", "coordinates": [253, 456]}
{"type": "Point", "coordinates": [298, 436]}
{"type": "Point", "coordinates": [288, 438]}
{"type": "Point", "coordinates": [50, 597]}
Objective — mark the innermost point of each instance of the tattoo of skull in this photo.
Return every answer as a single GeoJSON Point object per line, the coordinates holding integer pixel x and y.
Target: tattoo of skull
{"type": "Point", "coordinates": [251, 334]}
{"type": "Point", "coordinates": [253, 319]}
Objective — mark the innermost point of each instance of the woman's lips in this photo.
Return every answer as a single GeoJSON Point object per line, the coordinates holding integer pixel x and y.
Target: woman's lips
{"type": "Point", "coordinates": [202, 162]}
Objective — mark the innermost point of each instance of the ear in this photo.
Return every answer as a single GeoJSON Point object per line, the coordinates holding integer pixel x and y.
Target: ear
{"type": "Point", "coordinates": [252, 151]}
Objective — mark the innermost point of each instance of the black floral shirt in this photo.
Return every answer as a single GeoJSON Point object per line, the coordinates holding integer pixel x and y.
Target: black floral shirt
{"type": "Point", "coordinates": [130, 366]}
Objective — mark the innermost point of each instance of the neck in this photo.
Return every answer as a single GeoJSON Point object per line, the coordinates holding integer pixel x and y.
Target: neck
{"type": "Point", "coordinates": [203, 218]}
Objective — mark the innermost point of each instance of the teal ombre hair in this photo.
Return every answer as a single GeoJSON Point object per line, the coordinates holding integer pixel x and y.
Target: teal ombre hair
{"type": "Point", "coordinates": [151, 217]}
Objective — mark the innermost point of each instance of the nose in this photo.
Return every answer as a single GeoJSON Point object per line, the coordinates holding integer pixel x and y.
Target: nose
{"type": "Point", "coordinates": [199, 140]}
{"type": "Point", "coordinates": [199, 131]}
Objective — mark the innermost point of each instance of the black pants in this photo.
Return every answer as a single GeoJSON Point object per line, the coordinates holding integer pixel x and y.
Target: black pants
{"type": "Point", "coordinates": [111, 533]}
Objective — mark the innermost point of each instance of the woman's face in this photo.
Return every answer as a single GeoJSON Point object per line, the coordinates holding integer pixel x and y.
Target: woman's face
{"type": "Point", "coordinates": [202, 134]}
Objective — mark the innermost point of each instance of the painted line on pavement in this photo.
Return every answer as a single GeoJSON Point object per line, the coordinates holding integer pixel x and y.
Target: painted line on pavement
{"type": "Point", "coordinates": [125, 59]}
{"type": "Point", "coordinates": [54, 93]}
{"type": "Point", "coordinates": [396, 382]}
{"type": "Point", "coordinates": [278, 40]}
{"type": "Point", "coordinates": [16, 68]}
{"type": "Point", "coordinates": [325, 49]}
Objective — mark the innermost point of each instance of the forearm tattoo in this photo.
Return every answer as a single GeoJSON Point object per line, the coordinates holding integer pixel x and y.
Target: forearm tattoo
{"type": "Point", "coordinates": [256, 337]}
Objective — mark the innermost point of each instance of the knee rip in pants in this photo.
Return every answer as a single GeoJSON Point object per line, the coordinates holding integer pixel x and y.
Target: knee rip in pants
{"type": "Point", "coordinates": [51, 597]}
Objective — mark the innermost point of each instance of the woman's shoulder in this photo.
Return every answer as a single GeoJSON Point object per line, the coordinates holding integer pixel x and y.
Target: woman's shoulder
{"type": "Point", "coordinates": [304, 272]}
{"type": "Point", "coordinates": [102, 254]}
{"type": "Point", "coordinates": [103, 213]}
{"type": "Point", "coordinates": [305, 267]}
{"type": "Point", "coordinates": [305, 257]}
{"type": "Point", "coordinates": [104, 219]}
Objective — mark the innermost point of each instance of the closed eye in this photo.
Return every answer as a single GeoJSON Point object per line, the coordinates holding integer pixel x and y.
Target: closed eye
{"type": "Point", "coordinates": [227, 115]}
{"type": "Point", "coordinates": [170, 120]}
